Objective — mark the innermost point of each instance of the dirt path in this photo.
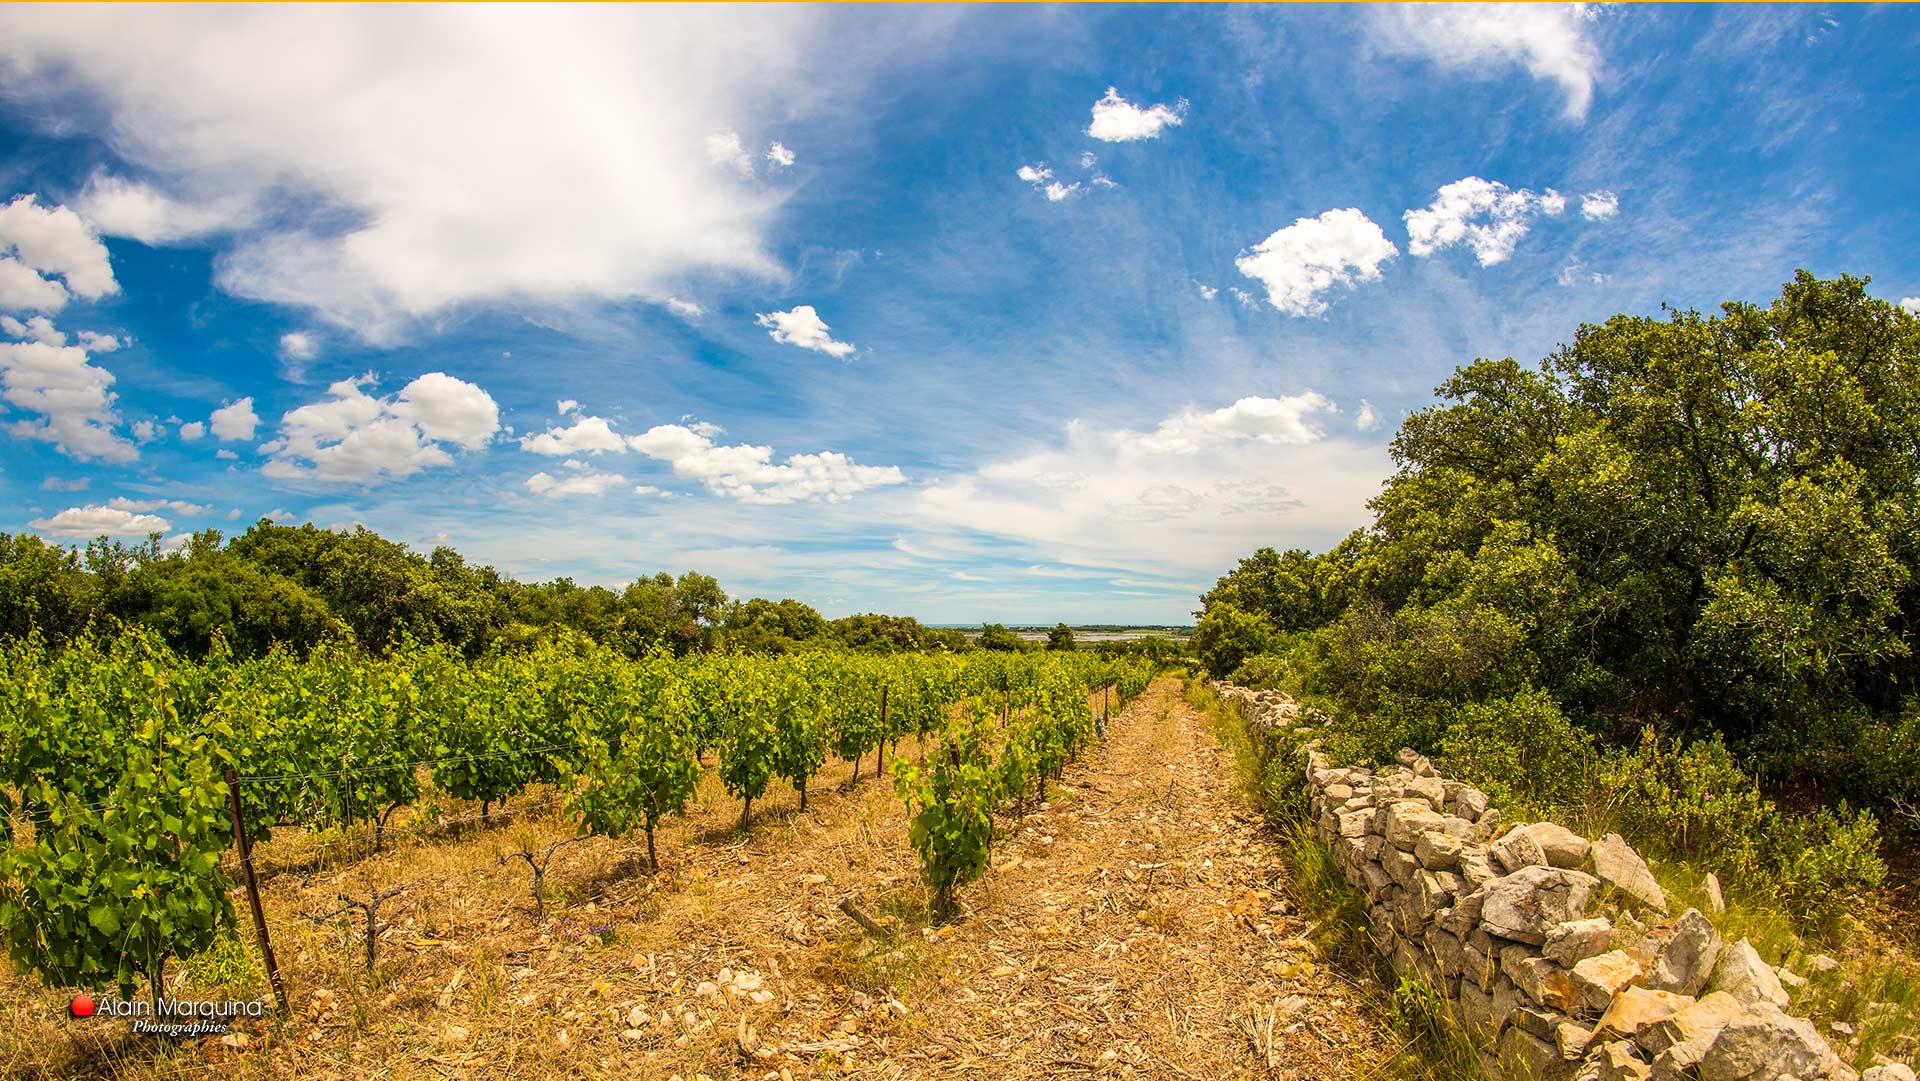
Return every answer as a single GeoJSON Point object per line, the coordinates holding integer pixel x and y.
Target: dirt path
{"type": "Point", "coordinates": [1132, 926]}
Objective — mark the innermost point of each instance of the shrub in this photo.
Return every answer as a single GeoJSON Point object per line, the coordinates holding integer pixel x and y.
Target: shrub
{"type": "Point", "coordinates": [1522, 750]}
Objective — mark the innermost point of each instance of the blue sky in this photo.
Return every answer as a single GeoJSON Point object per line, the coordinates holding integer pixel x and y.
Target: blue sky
{"type": "Point", "coordinates": [1014, 314]}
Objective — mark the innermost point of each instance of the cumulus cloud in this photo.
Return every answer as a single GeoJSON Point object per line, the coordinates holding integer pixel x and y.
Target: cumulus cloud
{"type": "Point", "coordinates": [1486, 215]}
{"type": "Point", "coordinates": [60, 382]}
{"type": "Point", "coordinates": [96, 520]}
{"type": "Point", "coordinates": [1117, 120]}
{"type": "Point", "coordinates": [235, 420]}
{"type": "Point", "coordinates": [518, 156]}
{"type": "Point", "coordinates": [780, 156]}
{"type": "Point", "coordinates": [299, 345]}
{"type": "Point", "coordinates": [582, 483]}
{"type": "Point", "coordinates": [1284, 420]}
{"type": "Point", "coordinates": [586, 435]}
{"type": "Point", "coordinates": [1599, 205]}
{"type": "Point", "coordinates": [1300, 263]}
{"type": "Point", "coordinates": [1550, 41]}
{"type": "Point", "coordinates": [1207, 292]}
{"type": "Point", "coordinates": [353, 437]}
{"type": "Point", "coordinates": [1911, 304]}
{"type": "Point", "coordinates": [685, 309]}
{"type": "Point", "coordinates": [803, 327]}
{"type": "Point", "coordinates": [449, 410]}
{"type": "Point", "coordinates": [121, 207]}
{"type": "Point", "coordinates": [1366, 420]}
{"type": "Point", "coordinates": [192, 431]}
{"type": "Point", "coordinates": [749, 474]}
{"type": "Point", "coordinates": [38, 244]}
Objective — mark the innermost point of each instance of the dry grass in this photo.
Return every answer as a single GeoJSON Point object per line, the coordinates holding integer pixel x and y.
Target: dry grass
{"type": "Point", "coordinates": [1133, 925]}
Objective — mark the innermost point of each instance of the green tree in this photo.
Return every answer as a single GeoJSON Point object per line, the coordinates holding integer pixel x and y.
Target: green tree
{"type": "Point", "coordinates": [1060, 637]}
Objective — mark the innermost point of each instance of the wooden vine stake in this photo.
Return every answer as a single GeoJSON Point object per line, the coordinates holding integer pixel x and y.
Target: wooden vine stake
{"type": "Point", "coordinates": [244, 847]}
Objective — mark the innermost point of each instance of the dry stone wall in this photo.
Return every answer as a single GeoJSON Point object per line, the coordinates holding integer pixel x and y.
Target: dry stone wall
{"type": "Point", "coordinates": [1558, 955]}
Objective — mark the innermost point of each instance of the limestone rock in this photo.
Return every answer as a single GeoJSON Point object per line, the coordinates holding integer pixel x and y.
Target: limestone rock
{"type": "Point", "coordinates": [1525, 905]}
{"type": "Point", "coordinates": [1615, 1061]}
{"type": "Point", "coordinates": [1683, 1039]}
{"type": "Point", "coordinates": [1522, 1054]}
{"type": "Point", "coordinates": [1620, 866]}
{"type": "Point", "coordinates": [1571, 943]}
{"type": "Point", "coordinates": [1470, 804]}
{"type": "Point", "coordinates": [1684, 964]}
{"type": "Point", "coordinates": [1765, 1042]}
{"type": "Point", "coordinates": [1438, 851]}
{"type": "Point", "coordinates": [1635, 1008]}
{"type": "Point", "coordinates": [1892, 1071]}
{"type": "Point", "coordinates": [1516, 850]}
{"type": "Point", "coordinates": [1426, 788]}
{"type": "Point", "coordinates": [1406, 820]}
{"type": "Point", "coordinates": [1562, 846]}
{"type": "Point", "coordinates": [1741, 973]}
{"type": "Point", "coordinates": [1597, 979]}
{"type": "Point", "coordinates": [1716, 901]}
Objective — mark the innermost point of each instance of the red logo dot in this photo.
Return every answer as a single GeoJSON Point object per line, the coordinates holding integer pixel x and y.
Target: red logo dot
{"type": "Point", "coordinates": [81, 1006]}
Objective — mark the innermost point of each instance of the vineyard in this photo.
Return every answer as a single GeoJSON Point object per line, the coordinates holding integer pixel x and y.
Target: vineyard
{"type": "Point", "coordinates": [118, 815]}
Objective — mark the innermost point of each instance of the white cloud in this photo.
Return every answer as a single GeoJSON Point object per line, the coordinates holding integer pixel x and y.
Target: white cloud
{"type": "Point", "coordinates": [585, 483]}
{"type": "Point", "coordinates": [647, 489]}
{"type": "Point", "coordinates": [1267, 420]}
{"type": "Point", "coordinates": [566, 405]}
{"type": "Point", "coordinates": [1599, 205]}
{"type": "Point", "coordinates": [803, 327]}
{"type": "Point", "coordinates": [1366, 420]}
{"type": "Point", "coordinates": [146, 431]}
{"type": "Point", "coordinates": [1117, 120]}
{"type": "Point", "coordinates": [1246, 299]}
{"type": "Point", "coordinates": [587, 435]}
{"type": "Point", "coordinates": [1041, 178]}
{"type": "Point", "coordinates": [748, 473]}
{"type": "Point", "coordinates": [121, 207]}
{"type": "Point", "coordinates": [71, 394]}
{"type": "Point", "coordinates": [1306, 259]}
{"type": "Point", "coordinates": [780, 156]}
{"type": "Point", "coordinates": [1197, 491]}
{"type": "Point", "coordinates": [685, 309]}
{"type": "Point", "coordinates": [1486, 215]}
{"type": "Point", "coordinates": [1207, 292]}
{"type": "Point", "coordinates": [536, 158]}
{"type": "Point", "coordinates": [226, 455]}
{"type": "Point", "coordinates": [53, 241]}
{"type": "Point", "coordinates": [235, 420]}
{"type": "Point", "coordinates": [98, 343]}
{"type": "Point", "coordinates": [1481, 40]}
{"type": "Point", "coordinates": [96, 520]}
{"type": "Point", "coordinates": [723, 148]}
{"type": "Point", "coordinates": [21, 288]}
{"type": "Point", "coordinates": [1911, 304]}
{"type": "Point", "coordinates": [449, 410]}
{"type": "Point", "coordinates": [299, 345]}
{"type": "Point", "coordinates": [192, 431]}
{"type": "Point", "coordinates": [1088, 160]}
{"type": "Point", "coordinates": [1576, 273]}
{"type": "Point", "coordinates": [140, 506]}
{"type": "Point", "coordinates": [354, 437]}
